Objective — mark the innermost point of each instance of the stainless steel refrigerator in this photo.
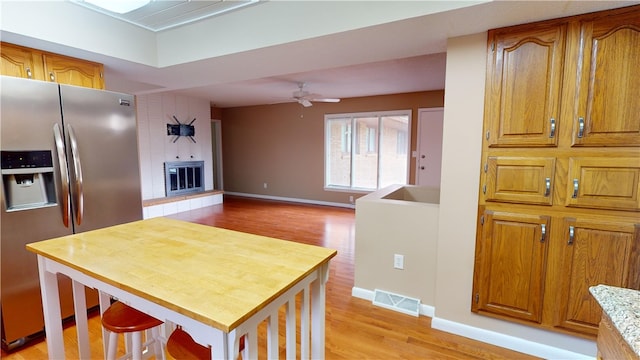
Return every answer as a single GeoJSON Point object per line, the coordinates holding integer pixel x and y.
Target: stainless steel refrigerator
{"type": "Point", "coordinates": [69, 159]}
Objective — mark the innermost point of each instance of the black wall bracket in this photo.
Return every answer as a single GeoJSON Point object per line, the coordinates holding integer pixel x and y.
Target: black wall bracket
{"type": "Point", "coordinates": [179, 129]}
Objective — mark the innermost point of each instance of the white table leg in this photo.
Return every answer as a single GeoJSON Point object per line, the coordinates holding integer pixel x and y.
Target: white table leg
{"type": "Point", "coordinates": [82, 324]}
{"type": "Point", "coordinates": [304, 324]}
{"type": "Point", "coordinates": [105, 302]}
{"type": "Point", "coordinates": [51, 309]}
{"type": "Point", "coordinates": [318, 307]}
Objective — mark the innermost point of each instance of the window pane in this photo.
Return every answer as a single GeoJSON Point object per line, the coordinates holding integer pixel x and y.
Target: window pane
{"type": "Point", "coordinates": [393, 155]}
{"type": "Point", "coordinates": [367, 151]}
{"type": "Point", "coordinates": [365, 162]}
{"type": "Point", "coordinates": [337, 150]}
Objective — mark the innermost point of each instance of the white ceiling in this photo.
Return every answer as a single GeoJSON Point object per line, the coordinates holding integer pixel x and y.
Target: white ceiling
{"type": "Point", "coordinates": [258, 54]}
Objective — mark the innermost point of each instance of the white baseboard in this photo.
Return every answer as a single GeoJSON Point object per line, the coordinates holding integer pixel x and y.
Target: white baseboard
{"type": "Point", "coordinates": [296, 200]}
{"type": "Point", "coordinates": [486, 336]}
{"type": "Point", "coordinates": [425, 310]}
{"type": "Point", "coordinates": [506, 341]}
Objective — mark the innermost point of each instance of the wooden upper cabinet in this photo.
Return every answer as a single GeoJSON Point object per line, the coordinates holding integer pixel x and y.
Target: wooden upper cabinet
{"type": "Point", "coordinates": [594, 252]}
{"type": "Point", "coordinates": [66, 70]}
{"type": "Point", "coordinates": [605, 183]}
{"type": "Point", "coordinates": [510, 271]}
{"type": "Point", "coordinates": [524, 85]}
{"type": "Point", "coordinates": [34, 64]}
{"type": "Point", "coordinates": [17, 61]}
{"type": "Point", "coordinates": [526, 180]}
{"type": "Point", "coordinates": [608, 82]}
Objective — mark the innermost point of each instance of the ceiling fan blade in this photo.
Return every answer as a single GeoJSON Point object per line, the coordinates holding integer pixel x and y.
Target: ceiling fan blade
{"type": "Point", "coordinates": [328, 100]}
{"type": "Point", "coordinates": [305, 102]}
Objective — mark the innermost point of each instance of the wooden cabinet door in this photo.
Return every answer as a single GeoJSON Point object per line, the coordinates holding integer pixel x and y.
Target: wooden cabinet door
{"type": "Point", "coordinates": [608, 110]}
{"type": "Point", "coordinates": [72, 71]}
{"type": "Point", "coordinates": [510, 271]}
{"type": "Point", "coordinates": [607, 183]}
{"type": "Point", "coordinates": [525, 74]}
{"type": "Point", "coordinates": [520, 179]}
{"type": "Point", "coordinates": [595, 252]}
{"type": "Point", "coordinates": [21, 62]}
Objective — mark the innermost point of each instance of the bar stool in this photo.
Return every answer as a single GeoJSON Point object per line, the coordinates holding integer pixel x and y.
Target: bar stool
{"type": "Point", "coordinates": [181, 345]}
{"type": "Point", "coordinates": [122, 319]}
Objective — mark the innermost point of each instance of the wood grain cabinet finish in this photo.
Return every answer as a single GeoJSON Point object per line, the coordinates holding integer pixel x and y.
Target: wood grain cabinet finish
{"type": "Point", "coordinates": [593, 252]}
{"type": "Point", "coordinates": [20, 62]}
{"type": "Point", "coordinates": [611, 345]}
{"type": "Point", "coordinates": [34, 64]}
{"type": "Point", "coordinates": [66, 70]}
{"type": "Point", "coordinates": [612, 183]}
{"type": "Point", "coordinates": [561, 155]}
{"type": "Point", "coordinates": [511, 275]}
{"type": "Point", "coordinates": [525, 73]}
{"type": "Point", "coordinates": [520, 179]}
{"type": "Point", "coordinates": [608, 82]}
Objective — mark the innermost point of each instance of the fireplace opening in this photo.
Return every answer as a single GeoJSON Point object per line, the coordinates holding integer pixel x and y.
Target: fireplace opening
{"type": "Point", "coordinates": [183, 177]}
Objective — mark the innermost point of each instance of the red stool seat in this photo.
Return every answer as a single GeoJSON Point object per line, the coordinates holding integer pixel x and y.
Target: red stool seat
{"type": "Point", "coordinates": [182, 346]}
{"type": "Point", "coordinates": [120, 318]}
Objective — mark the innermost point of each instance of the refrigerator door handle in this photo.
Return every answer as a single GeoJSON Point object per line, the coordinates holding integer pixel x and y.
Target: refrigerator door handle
{"type": "Point", "coordinates": [77, 171]}
{"type": "Point", "coordinates": [64, 174]}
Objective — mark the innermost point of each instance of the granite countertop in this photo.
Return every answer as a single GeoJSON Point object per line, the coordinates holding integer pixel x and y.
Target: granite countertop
{"type": "Point", "coordinates": [623, 307]}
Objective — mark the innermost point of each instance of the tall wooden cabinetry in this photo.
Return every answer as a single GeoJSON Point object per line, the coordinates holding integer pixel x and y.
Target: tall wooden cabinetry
{"type": "Point", "coordinates": [559, 205]}
{"type": "Point", "coordinates": [34, 64]}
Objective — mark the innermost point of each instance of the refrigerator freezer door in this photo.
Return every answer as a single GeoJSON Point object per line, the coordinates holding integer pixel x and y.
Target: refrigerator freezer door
{"type": "Point", "coordinates": [28, 113]}
{"type": "Point", "coordinates": [104, 165]}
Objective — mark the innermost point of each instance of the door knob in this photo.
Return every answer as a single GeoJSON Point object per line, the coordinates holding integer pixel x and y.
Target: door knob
{"type": "Point", "coordinates": [423, 156]}
{"type": "Point", "coordinates": [421, 167]}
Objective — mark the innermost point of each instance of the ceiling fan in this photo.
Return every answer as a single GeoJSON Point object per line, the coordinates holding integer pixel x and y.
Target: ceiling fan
{"type": "Point", "coordinates": [306, 99]}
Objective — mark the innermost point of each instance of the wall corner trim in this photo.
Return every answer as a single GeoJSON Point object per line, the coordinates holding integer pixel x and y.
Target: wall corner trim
{"type": "Point", "coordinates": [506, 341]}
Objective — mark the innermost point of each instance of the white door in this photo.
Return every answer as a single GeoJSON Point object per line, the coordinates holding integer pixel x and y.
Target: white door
{"type": "Point", "coordinates": [429, 149]}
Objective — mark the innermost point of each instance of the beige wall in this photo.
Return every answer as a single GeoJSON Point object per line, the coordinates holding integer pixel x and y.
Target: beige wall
{"type": "Point", "coordinates": [283, 144]}
{"type": "Point", "coordinates": [392, 221]}
{"type": "Point", "coordinates": [463, 117]}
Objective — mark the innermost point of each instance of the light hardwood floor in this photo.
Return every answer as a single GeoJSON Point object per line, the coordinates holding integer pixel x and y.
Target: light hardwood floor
{"type": "Point", "coordinates": [355, 329]}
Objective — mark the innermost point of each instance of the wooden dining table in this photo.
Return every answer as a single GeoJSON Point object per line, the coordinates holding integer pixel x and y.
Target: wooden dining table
{"type": "Point", "coordinates": [218, 284]}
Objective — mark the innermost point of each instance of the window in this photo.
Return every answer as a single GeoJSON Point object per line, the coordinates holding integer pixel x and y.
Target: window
{"type": "Point", "coordinates": [379, 155]}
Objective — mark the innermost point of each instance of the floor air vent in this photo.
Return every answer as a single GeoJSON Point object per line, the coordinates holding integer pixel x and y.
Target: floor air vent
{"type": "Point", "coordinates": [396, 302]}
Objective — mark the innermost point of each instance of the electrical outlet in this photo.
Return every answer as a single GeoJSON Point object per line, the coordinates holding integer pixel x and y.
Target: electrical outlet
{"type": "Point", "coordinates": [264, 185]}
{"type": "Point", "coordinates": [351, 199]}
{"type": "Point", "coordinates": [398, 261]}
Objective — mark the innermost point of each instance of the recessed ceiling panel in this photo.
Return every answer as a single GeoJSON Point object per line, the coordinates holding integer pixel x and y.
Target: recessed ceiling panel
{"type": "Point", "coordinates": [165, 14]}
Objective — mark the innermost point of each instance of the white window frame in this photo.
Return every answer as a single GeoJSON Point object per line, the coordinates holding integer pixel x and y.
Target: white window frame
{"type": "Point", "coordinates": [378, 114]}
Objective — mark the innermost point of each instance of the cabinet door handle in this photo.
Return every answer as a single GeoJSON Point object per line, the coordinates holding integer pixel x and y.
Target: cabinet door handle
{"type": "Point", "coordinates": [543, 232]}
{"type": "Point", "coordinates": [52, 77]}
{"type": "Point", "coordinates": [572, 233]}
{"type": "Point", "coordinates": [29, 74]}
{"type": "Point", "coordinates": [575, 189]}
{"type": "Point", "coordinates": [552, 132]}
{"type": "Point", "coordinates": [580, 127]}
{"type": "Point", "coordinates": [547, 184]}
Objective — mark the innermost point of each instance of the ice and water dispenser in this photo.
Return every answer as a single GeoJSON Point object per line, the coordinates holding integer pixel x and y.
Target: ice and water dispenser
{"type": "Point", "coordinates": [27, 177]}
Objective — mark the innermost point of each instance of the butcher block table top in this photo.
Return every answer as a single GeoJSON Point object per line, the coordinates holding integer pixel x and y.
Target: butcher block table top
{"type": "Point", "coordinates": [216, 276]}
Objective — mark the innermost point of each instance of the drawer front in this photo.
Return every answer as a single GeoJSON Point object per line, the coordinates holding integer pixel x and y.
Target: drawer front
{"type": "Point", "coordinates": [520, 180]}
{"type": "Point", "coordinates": [607, 183]}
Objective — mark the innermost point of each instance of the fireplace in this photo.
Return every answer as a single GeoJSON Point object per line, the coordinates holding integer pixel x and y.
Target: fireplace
{"type": "Point", "coordinates": [183, 177]}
